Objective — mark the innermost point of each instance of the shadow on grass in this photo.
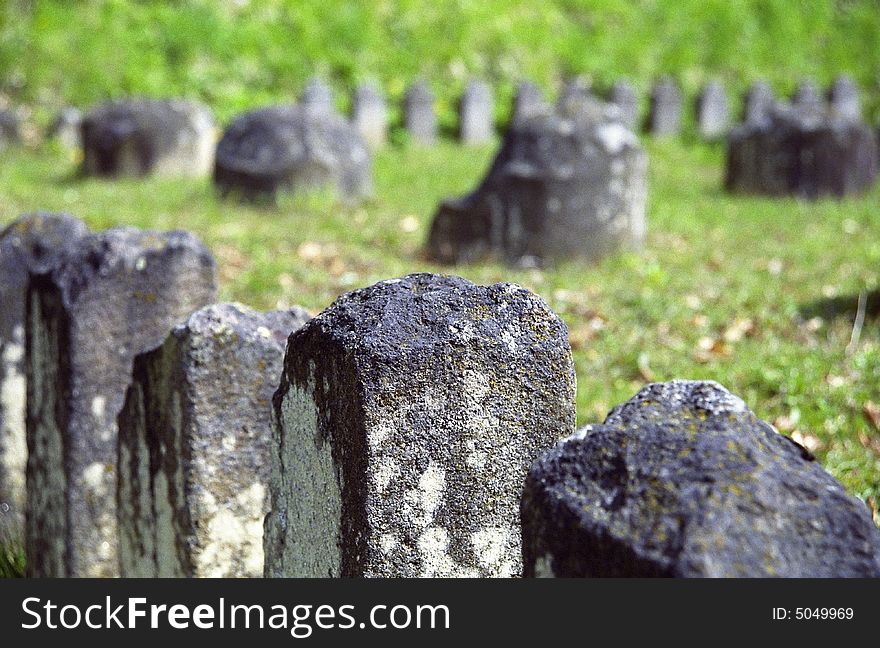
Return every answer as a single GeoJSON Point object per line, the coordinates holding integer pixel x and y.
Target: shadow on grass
{"type": "Point", "coordinates": [842, 306]}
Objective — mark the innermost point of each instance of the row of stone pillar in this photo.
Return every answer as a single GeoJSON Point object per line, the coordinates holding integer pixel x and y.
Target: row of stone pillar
{"type": "Point", "coordinates": [422, 426]}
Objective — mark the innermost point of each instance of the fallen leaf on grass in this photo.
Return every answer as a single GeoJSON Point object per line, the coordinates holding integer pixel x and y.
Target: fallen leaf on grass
{"type": "Point", "coordinates": [872, 412]}
{"type": "Point", "coordinates": [409, 224]}
{"type": "Point", "coordinates": [870, 443]}
{"type": "Point", "coordinates": [807, 440]}
{"type": "Point", "coordinates": [643, 364]}
{"type": "Point", "coordinates": [740, 328]}
{"type": "Point", "coordinates": [309, 251]}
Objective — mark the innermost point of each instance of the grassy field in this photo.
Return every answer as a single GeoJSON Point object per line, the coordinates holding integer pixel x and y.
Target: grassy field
{"type": "Point", "coordinates": [757, 294]}
{"type": "Point", "coordinates": [238, 54]}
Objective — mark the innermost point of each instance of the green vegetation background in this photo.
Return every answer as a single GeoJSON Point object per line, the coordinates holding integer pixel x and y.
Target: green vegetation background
{"type": "Point", "coordinates": [236, 54]}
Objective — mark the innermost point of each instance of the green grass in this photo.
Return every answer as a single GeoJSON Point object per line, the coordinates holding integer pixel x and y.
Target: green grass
{"type": "Point", "coordinates": [237, 55]}
{"type": "Point", "coordinates": [757, 294]}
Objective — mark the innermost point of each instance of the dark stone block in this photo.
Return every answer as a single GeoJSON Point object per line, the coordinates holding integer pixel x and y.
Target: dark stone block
{"type": "Point", "coordinates": [408, 415]}
{"type": "Point", "coordinates": [684, 481]}
{"type": "Point", "coordinates": [567, 184]}
{"type": "Point", "coordinates": [194, 445]}
{"type": "Point", "coordinates": [116, 294]}
{"type": "Point", "coordinates": [32, 243]}
{"type": "Point", "coordinates": [801, 152]}
{"type": "Point", "coordinates": [291, 148]}
{"type": "Point", "coordinates": [133, 137]}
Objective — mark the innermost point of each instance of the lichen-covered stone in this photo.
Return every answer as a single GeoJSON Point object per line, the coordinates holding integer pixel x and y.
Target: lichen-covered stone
{"type": "Point", "coordinates": [419, 116]}
{"type": "Point", "coordinates": [684, 480]}
{"type": "Point", "coordinates": [566, 184]}
{"type": "Point", "coordinates": [713, 118]}
{"type": "Point", "coordinates": [194, 445]}
{"type": "Point", "coordinates": [804, 152]}
{"type": "Point", "coordinates": [292, 148]}
{"type": "Point", "coordinates": [476, 116]}
{"type": "Point", "coordinates": [134, 137]}
{"type": "Point", "coordinates": [370, 114]}
{"type": "Point", "coordinates": [32, 243]}
{"type": "Point", "coordinates": [408, 414]}
{"type": "Point", "coordinates": [115, 294]}
{"type": "Point", "coordinates": [664, 117]}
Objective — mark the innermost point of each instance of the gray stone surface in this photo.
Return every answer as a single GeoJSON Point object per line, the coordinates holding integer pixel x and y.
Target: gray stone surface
{"type": "Point", "coordinates": [408, 415]}
{"type": "Point", "coordinates": [808, 95]}
{"type": "Point", "coordinates": [683, 480]}
{"type": "Point", "coordinates": [194, 445]}
{"type": "Point", "coordinates": [759, 102]}
{"type": "Point", "coordinates": [66, 128]}
{"type": "Point", "coordinates": [317, 96]}
{"type": "Point", "coordinates": [575, 92]}
{"type": "Point", "coordinates": [116, 294]}
{"type": "Point", "coordinates": [713, 113]}
{"type": "Point", "coordinates": [10, 128]}
{"type": "Point", "coordinates": [370, 114]}
{"type": "Point", "coordinates": [562, 185]}
{"type": "Point", "coordinates": [32, 243]}
{"type": "Point", "coordinates": [476, 114]}
{"type": "Point", "coordinates": [291, 148]}
{"type": "Point", "coordinates": [419, 116]}
{"type": "Point", "coordinates": [623, 95]}
{"type": "Point", "coordinates": [528, 101]}
{"type": "Point", "coordinates": [664, 117]}
{"type": "Point", "coordinates": [173, 137]}
{"type": "Point", "coordinates": [843, 98]}
{"type": "Point", "coordinates": [805, 152]}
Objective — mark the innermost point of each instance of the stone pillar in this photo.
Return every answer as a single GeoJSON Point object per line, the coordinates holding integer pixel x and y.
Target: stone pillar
{"type": "Point", "coordinates": [713, 117]}
{"type": "Point", "coordinates": [408, 413]}
{"type": "Point", "coordinates": [759, 101]}
{"type": "Point", "coordinates": [116, 294]}
{"type": "Point", "coordinates": [623, 95]}
{"type": "Point", "coordinates": [370, 115]}
{"type": "Point", "coordinates": [194, 439]}
{"type": "Point", "coordinates": [476, 116]}
{"type": "Point", "coordinates": [844, 98]}
{"type": "Point", "coordinates": [665, 115]}
{"type": "Point", "coordinates": [418, 113]}
{"type": "Point", "coordinates": [317, 96]}
{"type": "Point", "coordinates": [528, 102]}
{"type": "Point", "coordinates": [32, 243]}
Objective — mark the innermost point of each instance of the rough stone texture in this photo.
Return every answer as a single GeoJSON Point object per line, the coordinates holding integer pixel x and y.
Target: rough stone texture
{"type": "Point", "coordinates": [173, 137]}
{"type": "Point", "coordinates": [32, 243]}
{"type": "Point", "coordinates": [575, 94]}
{"type": "Point", "coordinates": [802, 152]}
{"type": "Point", "coordinates": [562, 185]}
{"type": "Point", "coordinates": [713, 116]}
{"type": "Point", "coordinates": [194, 445]}
{"type": "Point", "coordinates": [476, 114]}
{"type": "Point", "coordinates": [683, 480]}
{"type": "Point", "coordinates": [528, 102]}
{"type": "Point", "coordinates": [318, 96]}
{"type": "Point", "coordinates": [623, 95]}
{"type": "Point", "coordinates": [418, 113]}
{"type": "Point", "coordinates": [10, 128]}
{"type": "Point", "coordinates": [408, 415]}
{"type": "Point", "coordinates": [759, 102]}
{"type": "Point", "coordinates": [116, 294]}
{"type": "Point", "coordinates": [370, 114]}
{"type": "Point", "coordinates": [291, 148]}
{"type": "Point", "coordinates": [66, 129]}
{"type": "Point", "coordinates": [808, 95]}
{"type": "Point", "coordinates": [843, 97]}
{"type": "Point", "coordinates": [664, 117]}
